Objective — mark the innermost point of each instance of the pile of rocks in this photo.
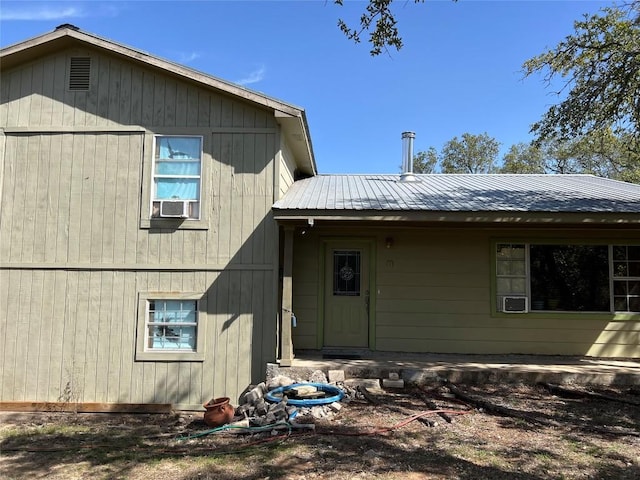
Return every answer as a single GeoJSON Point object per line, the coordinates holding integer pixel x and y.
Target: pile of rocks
{"type": "Point", "coordinates": [260, 412]}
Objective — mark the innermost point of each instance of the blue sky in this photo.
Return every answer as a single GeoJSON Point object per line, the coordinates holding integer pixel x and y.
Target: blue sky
{"type": "Point", "coordinates": [460, 70]}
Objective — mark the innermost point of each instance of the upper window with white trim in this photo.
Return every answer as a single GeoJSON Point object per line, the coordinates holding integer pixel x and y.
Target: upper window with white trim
{"type": "Point", "coordinates": [177, 167]}
{"type": "Point", "coordinates": [567, 277]}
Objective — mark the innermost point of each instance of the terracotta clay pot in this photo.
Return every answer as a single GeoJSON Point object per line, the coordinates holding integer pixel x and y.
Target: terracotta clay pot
{"type": "Point", "coordinates": [219, 412]}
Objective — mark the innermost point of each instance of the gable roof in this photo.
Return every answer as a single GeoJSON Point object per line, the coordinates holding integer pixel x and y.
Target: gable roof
{"type": "Point", "coordinates": [376, 196]}
{"type": "Point", "coordinates": [292, 119]}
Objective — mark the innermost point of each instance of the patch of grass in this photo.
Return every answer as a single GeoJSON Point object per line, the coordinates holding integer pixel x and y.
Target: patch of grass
{"type": "Point", "coordinates": [9, 432]}
{"type": "Point", "coordinates": [49, 429]}
{"type": "Point", "coordinates": [478, 445]}
{"type": "Point", "coordinates": [584, 448]}
{"type": "Point", "coordinates": [543, 457]}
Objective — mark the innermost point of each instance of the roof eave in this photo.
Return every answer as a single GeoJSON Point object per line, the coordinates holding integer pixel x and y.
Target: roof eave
{"type": "Point", "coordinates": [296, 131]}
{"type": "Point", "coordinates": [495, 218]}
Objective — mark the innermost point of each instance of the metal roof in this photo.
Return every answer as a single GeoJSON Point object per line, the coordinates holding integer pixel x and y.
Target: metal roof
{"type": "Point", "coordinates": [462, 193]}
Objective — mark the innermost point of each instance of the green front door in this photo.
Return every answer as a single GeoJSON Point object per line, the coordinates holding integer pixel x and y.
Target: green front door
{"type": "Point", "coordinates": [347, 295]}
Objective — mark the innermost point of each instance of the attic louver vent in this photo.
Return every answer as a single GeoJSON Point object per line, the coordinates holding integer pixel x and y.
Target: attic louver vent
{"type": "Point", "coordinates": [80, 73]}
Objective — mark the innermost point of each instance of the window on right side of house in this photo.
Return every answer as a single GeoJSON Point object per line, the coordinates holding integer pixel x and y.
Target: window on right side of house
{"type": "Point", "coordinates": [626, 278]}
{"type": "Point", "coordinates": [573, 278]}
{"type": "Point", "coordinates": [570, 277]}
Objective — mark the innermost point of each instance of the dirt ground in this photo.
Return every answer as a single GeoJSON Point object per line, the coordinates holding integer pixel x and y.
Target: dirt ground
{"type": "Point", "coordinates": [496, 432]}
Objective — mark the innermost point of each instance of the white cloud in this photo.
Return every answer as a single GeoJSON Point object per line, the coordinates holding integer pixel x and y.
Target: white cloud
{"type": "Point", "coordinates": [40, 12]}
{"type": "Point", "coordinates": [186, 57]}
{"type": "Point", "coordinates": [254, 77]}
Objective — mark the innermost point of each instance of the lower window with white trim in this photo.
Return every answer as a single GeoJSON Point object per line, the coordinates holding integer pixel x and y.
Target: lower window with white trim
{"type": "Point", "coordinates": [170, 327]}
{"type": "Point", "coordinates": [567, 277]}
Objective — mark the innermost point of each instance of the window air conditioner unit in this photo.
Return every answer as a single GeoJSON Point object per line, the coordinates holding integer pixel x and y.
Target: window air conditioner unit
{"type": "Point", "coordinates": [515, 304]}
{"type": "Point", "coordinates": [174, 209]}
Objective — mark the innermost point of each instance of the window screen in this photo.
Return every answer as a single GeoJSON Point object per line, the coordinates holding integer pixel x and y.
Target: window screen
{"type": "Point", "coordinates": [172, 325]}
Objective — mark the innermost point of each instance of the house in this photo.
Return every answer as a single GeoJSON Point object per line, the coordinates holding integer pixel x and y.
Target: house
{"type": "Point", "coordinates": [476, 264]}
{"type": "Point", "coordinates": [138, 250]}
{"type": "Point", "coordinates": [165, 234]}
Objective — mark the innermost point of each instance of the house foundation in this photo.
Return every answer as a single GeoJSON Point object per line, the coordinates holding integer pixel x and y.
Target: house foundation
{"type": "Point", "coordinates": [425, 369]}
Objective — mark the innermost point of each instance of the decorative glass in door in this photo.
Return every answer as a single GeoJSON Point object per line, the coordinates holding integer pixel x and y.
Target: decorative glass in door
{"type": "Point", "coordinates": [346, 273]}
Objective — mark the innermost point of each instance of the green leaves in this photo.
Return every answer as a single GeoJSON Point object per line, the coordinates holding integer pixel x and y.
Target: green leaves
{"type": "Point", "coordinates": [600, 68]}
{"type": "Point", "coordinates": [523, 158]}
{"type": "Point", "coordinates": [379, 21]}
{"type": "Point", "coordinates": [594, 129]}
{"type": "Point", "coordinates": [470, 154]}
{"type": "Point", "coordinates": [425, 161]}
{"type": "Point", "coordinates": [601, 153]}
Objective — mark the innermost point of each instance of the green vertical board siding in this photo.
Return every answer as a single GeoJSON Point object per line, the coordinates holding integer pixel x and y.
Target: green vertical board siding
{"type": "Point", "coordinates": [434, 294]}
{"type": "Point", "coordinates": [75, 255]}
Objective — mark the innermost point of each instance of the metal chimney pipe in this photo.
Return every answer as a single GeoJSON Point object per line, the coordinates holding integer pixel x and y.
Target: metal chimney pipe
{"type": "Point", "coordinates": [407, 157]}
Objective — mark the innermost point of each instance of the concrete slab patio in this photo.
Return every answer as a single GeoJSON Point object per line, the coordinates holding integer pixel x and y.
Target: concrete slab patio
{"type": "Point", "coordinates": [474, 369]}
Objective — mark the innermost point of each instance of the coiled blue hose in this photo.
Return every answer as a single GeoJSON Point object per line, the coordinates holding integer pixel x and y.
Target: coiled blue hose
{"type": "Point", "coordinates": [323, 387]}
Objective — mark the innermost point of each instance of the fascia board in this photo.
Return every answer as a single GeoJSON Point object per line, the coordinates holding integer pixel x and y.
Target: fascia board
{"type": "Point", "coordinates": [495, 218]}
